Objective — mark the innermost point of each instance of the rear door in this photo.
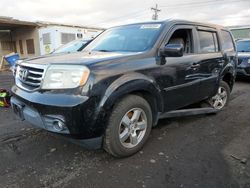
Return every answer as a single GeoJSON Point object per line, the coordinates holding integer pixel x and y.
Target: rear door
{"type": "Point", "coordinates": [209, 61]}
{"type": "Point", "coordinates": [228, 48]}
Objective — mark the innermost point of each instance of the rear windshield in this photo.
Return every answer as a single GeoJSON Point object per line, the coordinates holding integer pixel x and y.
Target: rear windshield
{"type": "Point", "coordinates": [132, 38]}
{"type": "Point", "coordinates": [243, 46]}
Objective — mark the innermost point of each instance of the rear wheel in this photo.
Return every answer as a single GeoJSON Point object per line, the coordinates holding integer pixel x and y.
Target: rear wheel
{"type": "Point", "coordinates": [128, 127]}
{"type": "Point", "coordinates": [221, 99]}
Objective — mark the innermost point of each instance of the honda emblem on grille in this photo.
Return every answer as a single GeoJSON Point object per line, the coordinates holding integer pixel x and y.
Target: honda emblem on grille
{"type": "Point", "coordinates": [23, 74]}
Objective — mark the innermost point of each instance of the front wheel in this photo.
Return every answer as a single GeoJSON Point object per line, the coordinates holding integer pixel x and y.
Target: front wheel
{"type": "Point", "coordinates": [221, 99]}
{"type": "Point", "coordinates": [128, 127]}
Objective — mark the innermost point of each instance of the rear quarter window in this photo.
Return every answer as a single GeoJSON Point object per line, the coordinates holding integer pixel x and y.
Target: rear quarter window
{"type": "Point", "coordinates": [227, 41]}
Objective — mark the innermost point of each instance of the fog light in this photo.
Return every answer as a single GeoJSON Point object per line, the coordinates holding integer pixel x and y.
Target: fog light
{"type": "Point", "coordinates": [58, 125]}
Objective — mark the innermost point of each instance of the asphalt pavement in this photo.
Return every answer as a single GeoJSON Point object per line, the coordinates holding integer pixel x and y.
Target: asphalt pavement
{"type": "Point", "coordinates": [207, 151]}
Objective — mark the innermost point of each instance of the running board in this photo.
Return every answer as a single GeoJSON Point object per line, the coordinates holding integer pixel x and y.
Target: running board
{"type": "Point", "coordinates": [188, 112]}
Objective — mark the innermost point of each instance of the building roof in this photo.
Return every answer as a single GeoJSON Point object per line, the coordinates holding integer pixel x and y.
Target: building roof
{"type": "Point", "coordinates": [42, 24]}
{"type": "Point", "coordinates": [8, 23]}
{"type": "Point", "coordinates": [239, 27]}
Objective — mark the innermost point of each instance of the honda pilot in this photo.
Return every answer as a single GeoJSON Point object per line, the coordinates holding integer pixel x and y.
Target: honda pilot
{"type": "Point", "coordinates": [112, 93]}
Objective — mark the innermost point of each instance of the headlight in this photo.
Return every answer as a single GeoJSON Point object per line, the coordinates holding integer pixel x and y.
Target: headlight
{"type": "Point", "coordinates": [65, 76]}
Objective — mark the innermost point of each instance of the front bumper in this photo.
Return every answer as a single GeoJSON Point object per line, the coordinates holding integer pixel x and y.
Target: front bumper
{"type": "Point", "coordinates": [53, 123]}
{"type": "Point", "coordinates": [243, 68]}
{"type": "Point", "coordinates": [78, 115]}
{"type": "Point", "coordinates": [243, 71]}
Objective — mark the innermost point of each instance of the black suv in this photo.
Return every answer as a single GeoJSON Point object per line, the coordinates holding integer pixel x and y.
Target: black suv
{"type": "Point", "coordinates": [113, 93]}
{"type": "Point", "coordinates": [243, 48]}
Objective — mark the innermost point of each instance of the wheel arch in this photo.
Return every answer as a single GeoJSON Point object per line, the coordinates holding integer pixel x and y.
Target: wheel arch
{"type": "Point", "coordinates": [228, 76]}
{"type": "Point", "coordinates": [137, 84]}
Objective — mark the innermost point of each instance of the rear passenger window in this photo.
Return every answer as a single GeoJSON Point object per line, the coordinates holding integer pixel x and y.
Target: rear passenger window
{"type": "Point", "coordinates": [208, 42]}
{"type": "Point", "coordinates": [227, 41]}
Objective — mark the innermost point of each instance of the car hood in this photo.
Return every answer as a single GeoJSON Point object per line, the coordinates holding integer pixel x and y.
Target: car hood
{"type": "Point", "coordinates": [84, 58]}
{"type": "Point", "coordinates": [243, 54]}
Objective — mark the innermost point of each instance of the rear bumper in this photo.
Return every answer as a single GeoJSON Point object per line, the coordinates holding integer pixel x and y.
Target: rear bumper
{"type": "Point", "coordinates": [77, 114]}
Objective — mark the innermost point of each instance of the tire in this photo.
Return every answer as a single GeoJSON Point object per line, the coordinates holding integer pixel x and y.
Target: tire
{"type": "Point", "coordinates": [125, 124]}
{"type": "Point", "coordinates": [222, 97]}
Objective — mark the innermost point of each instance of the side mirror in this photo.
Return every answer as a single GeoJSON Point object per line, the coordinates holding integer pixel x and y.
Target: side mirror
{"type": "Point", "coordinates": [172, 50]}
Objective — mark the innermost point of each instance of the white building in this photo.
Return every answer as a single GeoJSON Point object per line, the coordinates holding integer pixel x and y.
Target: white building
{"type": "Point", "coordinates": [52, 36]}
{"type": "Point", "coordinates": [30, 39]}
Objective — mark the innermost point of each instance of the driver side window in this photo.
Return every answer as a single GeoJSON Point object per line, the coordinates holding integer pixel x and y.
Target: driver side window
{"type": "Point", "coordinates": [183, 36]}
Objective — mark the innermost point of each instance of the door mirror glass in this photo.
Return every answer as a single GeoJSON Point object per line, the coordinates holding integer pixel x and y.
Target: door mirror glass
{"type": "Point", "coordinates": [172, 50]}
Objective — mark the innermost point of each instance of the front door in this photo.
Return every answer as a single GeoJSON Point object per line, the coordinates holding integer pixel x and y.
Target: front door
{"type": "Point", "coordinates": [178, 79]}
{"type": "Point", "coordinates": [183, 90]}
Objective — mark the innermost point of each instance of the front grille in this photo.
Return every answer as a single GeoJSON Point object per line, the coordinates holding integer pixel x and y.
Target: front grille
{"type": "Point", "coordinates": [29, 76]}
{"type": "Point", "coordinates": [247, 70]}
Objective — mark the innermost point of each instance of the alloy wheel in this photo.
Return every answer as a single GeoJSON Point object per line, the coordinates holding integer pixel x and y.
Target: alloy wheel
{"type": "Point", "coordinates": [220, 99]}
{"type": "Point", "coordinates": [132, 127]}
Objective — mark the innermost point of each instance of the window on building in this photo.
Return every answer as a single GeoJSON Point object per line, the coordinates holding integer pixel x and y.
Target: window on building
{"type": "Point", "coordinates": [208, 42]}
{"type": "Point", "coordinates": [67, 37]}
{"type": "Point", "coordinates": [21, 46]}
{"type": "Point", "coordinates": [30, 46]}
{"type": "Point", "coordinates": [8, 46]}
{"type": "Point", "coordinates": [227, 41]}
{"type": "Point", "coordinates": [46, 38]}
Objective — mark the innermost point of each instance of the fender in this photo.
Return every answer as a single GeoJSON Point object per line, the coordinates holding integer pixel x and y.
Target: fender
{"type": "Point", "coordinates": [229, 68]}
{"type": "Point", "coordinates": [228, 74]}
{"type": "Point", "coordinates": [130, 83]}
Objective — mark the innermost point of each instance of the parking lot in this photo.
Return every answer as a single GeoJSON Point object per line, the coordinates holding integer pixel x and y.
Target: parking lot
{"type": "Point", "coordinates": [209, 151]}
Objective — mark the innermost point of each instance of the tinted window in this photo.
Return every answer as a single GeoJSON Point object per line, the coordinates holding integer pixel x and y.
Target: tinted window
{"type": "Point", "coordinates": [208, 42]}
{"type": "Point", "coordinates": [227, 41]}
{"type": "Point", "coordinates": [243, 46]}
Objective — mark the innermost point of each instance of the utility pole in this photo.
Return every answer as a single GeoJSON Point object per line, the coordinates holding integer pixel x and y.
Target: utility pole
{"type": "Point", "coordinates": [156, 10]}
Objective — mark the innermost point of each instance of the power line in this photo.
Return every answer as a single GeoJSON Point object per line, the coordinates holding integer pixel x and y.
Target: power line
{"type": "Point", "coordinates": [183, 5]}
{"type": "Point", "coordinates": [191, 3]}
{"type": "Point", "coordinates": [204, 3]}
{"type": "Point", "coordinates": [122, 17]}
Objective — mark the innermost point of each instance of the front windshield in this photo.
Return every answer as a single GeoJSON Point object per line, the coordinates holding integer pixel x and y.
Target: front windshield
{"type": "Point", "coordinates": [243, 46]}
{"type": "Point", "coordinates": [73, 46]}
{"type": "Point", "coordinates": [131, 38]}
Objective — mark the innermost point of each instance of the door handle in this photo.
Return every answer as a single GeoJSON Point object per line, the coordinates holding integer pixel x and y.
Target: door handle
{"type": "Point", "coordinates": [195, 65]}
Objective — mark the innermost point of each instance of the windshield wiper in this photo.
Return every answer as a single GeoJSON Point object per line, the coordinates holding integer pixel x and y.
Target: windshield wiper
{"type": "Point", "coordinates": [103, 50]}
